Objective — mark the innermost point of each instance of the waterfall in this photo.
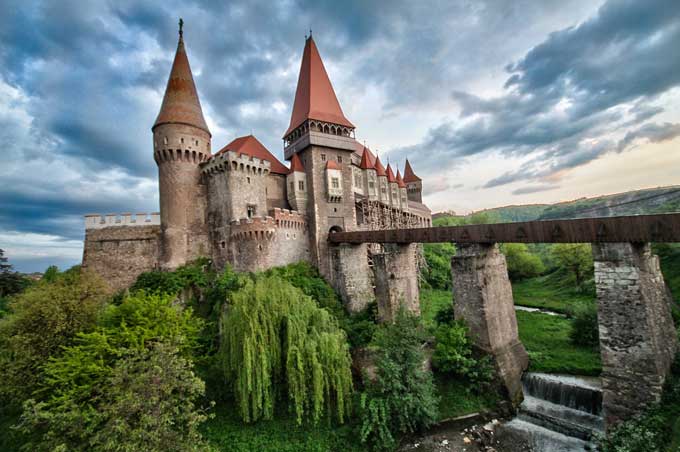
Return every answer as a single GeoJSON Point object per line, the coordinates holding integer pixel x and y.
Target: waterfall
{"type": "Point", "coordinates": [560, 413]}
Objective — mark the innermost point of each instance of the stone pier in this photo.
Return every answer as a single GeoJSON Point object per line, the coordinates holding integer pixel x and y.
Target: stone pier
{"type": "Point", "coordinates": [396, 280]}
{"type": "Point", "coordinates": [637, 337]}
{"type": "Point", "coordinates": [351, 275]}
{"type": "Point", "coordinates": [483, 299]}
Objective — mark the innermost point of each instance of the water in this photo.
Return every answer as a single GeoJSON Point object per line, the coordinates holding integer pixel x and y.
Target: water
{"type": "Point", "coordinates": [560, 412]}
{"type": "Point", "coordinates": [542, 311]}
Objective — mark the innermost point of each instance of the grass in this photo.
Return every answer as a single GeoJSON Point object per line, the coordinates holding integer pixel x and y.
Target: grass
{"type": "Point", "coordinates": [548, 292]}
{"type": "Point", "coordinates": [456, 400]}
{"type": "Point", "coordinates": [229, 434]}
{"type": "Point", "coordinates": [431, 302]}
{"type": "Point", "coordinates": [546, 338]}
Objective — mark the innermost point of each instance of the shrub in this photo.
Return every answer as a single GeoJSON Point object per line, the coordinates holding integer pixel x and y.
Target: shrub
{"type": "Point", "coordinates": [575, 259]}
{"type": "Point", "coordinates": [196, 274]}
{"type": "Point", "coordinates": [361, 326]}
{"type": "Point", "coordinates": [43, 319]}
{"type": "Point", "coordinates": [401, 398]}
{"type": "Point", "coordinates": [453, 355]}
{"type": "Point", "coordinates": [522, 264]}
{"type": "Point", "coordinates": [437, 273]}
{"type": "Point", "coordinates": [277, 343]}
{"type": "Point", "coordinates": [77, 400]}
{"type": "Point", "coordinates": [584, 330]}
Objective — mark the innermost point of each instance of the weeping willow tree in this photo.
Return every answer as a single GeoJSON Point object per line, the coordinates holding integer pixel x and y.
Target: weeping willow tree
{"type": "Point", "coordinates": [276, 345]}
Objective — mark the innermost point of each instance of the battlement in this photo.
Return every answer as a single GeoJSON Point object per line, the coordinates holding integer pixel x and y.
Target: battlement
{"type": "Point", "coordinates": [235, 161]}
{"type": "Point", "coordinates": [289, 219]}
{"type": "Point", "coordinates": [99, 221]}
{"type": "Point", "coordinates": [256, 228]}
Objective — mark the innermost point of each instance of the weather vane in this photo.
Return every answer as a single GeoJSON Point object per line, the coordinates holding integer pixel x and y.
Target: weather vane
{"type": "Point", "coordinates": [181, 24]}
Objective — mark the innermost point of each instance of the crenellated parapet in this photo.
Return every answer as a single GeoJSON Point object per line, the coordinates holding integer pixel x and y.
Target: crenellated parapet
{"type": "Point", "coordinates": [289, 219]}
{"type": "Point", "coordinates": [256, 228]}
{"type": "Point", "coordinates": [99, 221]}
{"type": "Point", "coordinates": [235, 161]}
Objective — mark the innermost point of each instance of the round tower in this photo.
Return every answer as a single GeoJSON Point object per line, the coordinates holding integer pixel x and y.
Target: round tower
{"type": "Point", "coordinates": [181, 141]}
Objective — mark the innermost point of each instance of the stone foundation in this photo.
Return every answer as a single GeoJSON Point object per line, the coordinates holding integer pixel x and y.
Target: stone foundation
{"type": "Point", "coordinates": [637, 337]}
{"type": "Point", "coordinates": [396, 281]}
{"type": "Point", "coordinates": [351, 276]}
{"type": "Point", "coordinates": [483, 299]}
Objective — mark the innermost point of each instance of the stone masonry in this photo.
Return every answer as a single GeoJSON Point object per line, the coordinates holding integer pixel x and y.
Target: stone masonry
{"type": "Point", "coordinates": [396, 280]}
{"type": "Point", "coordinates": [483, 299]}
{"type": "Point", "coordinates": [637, 337]}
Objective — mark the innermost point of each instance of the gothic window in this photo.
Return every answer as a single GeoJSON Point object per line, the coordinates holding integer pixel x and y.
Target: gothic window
{"type": "Point", "coordinates": [251, 210]}
{"type": "Point", "coordinates": [301, 185]}
{"type": "Point", "coordinates": [323, 157]}
{"type": "Point", "coordinates": [335, 182]}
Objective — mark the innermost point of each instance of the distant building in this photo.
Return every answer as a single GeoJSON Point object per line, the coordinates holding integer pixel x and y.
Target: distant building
{"type": "Point", "coordinates": [242, 206]}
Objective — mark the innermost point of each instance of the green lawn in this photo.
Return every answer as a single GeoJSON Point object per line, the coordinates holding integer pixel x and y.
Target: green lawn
{"type": "Point", "coordinates": [548, 292]}
{"type": "Point", "coordinates": [546, 338]}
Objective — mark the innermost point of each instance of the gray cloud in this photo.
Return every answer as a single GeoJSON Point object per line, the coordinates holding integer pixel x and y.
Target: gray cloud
{"type": "Point", "coordinates": [534, 189]}
{"type": "Point", "coordinates": [654, 133]}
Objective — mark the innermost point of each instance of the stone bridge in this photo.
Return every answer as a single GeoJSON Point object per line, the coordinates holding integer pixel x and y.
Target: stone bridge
{"type": "Point", "coordinates": [637, 338]}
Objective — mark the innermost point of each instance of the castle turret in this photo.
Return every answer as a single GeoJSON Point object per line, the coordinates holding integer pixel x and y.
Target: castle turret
{"type": "Point", "coordinates": [403, 197]}
{"type": "Point", "coordinates": [392, 187]}
{"type": "Point", "coordinates": [414, 185]}
{"type": "Point", "coordinates": [181, 142]}
{"type": "Point", "coordinates": [297, 188]}
{"type": "Point", "coordinates": [370, 177]}
{"type": "Point", "coordinates": [383, 187]}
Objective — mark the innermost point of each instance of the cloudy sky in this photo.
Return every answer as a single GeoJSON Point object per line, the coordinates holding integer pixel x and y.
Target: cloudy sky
{"type": "Point", "coordinates": [494, 102]}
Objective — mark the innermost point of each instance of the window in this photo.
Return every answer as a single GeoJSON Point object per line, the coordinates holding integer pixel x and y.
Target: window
{"type": "Point", "coordinates": [301, 185]}
{"type": "Point", "coordinates": [383, 191]}
{"type": "Point", "coordinates": [165, 140]}
{"type": "Point", "coordinates": [357, 179]}
{"type": "Point", "coordinates": [371, 185]}
{"type": "Point", "coordinates": [323, 157]}
{"type": "Point", "coordinates": [335, 182]}
{"type": "Point", "coordinates": [181, 140]}
{"type": "Point", "coordinates": [248, 179]}
{"type": "Point", "coordinates": [339, 159]}
{"type": "Point", "coordinates": [251, 210]}
{"type": "Point", "coordinates": [196, 142]}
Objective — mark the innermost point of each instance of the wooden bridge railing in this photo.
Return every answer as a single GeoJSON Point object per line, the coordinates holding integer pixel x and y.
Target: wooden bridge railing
{"type": "Point", "coordinates": [635, 229]}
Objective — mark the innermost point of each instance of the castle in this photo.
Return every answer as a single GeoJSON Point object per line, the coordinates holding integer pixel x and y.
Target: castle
{"type": "Point", "coordinates": [242, 206]}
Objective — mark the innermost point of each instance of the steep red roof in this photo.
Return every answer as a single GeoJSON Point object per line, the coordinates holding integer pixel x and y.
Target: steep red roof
{"type": "Point", "coordinates": [315, 97]}
{"type": "Point", "coordinates": [379, 168]}
{"type": "Point", "coordinates": [359, 150]}
{"type": "Point", "coordinates": [249, 145]}
{"type": "Point", "coordinates": [390, 174]}
{"type": "Point", "coordinates": [296, 164]}
{"type": "Point", "coordinates": [332, 164]}
{"type": "Point", "coordinates": [366, 160]}
{"type": "Point", "coordinates": [400, 181]}
{"type": "Point", "coordinates": [409, 175]}
{"type": "Point", "coordinates": [180, 103]}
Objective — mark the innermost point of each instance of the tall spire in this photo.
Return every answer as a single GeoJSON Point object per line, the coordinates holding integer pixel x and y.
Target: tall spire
{"type": "Point", "coordinates": [409, 175]}
{"type": "Point", "coordinates": [180, 103]}
{"type": "Point", "coordinates": [315, 97]}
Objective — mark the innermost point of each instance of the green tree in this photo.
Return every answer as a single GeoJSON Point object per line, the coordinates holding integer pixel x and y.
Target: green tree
{"type": "Point", "coordinates": [278, 344]}
{"type": "Point", "coordinates": [400, 398]}
{"type": "Point", "coordinates": [522, 264]}
{"type": "Point", "coordinates": [11, 282]}
{"type": "Point", "coordinates": [43, 319]}
{"type": "Point", "coordinates": [574, 258]}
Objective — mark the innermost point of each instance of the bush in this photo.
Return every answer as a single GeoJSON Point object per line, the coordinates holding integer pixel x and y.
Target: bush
{"type": "Point", "coordinates": [77, 399]}
{"type": "Point", "coordinates": [277, 343]}
{"type": "Point", "coordinates": [453, 355]}
{"type": "Point", "coordinates": [584, 331]}
{"type": "Point", "coordinates": [401, 399]}
{"type": "Point", "coordinates": [43, 320]}
{"type": "Point", "coordinates": [437, 273]}
{"type": "Point", "coordinates": [522, 264]}
{"type": "Point", "coordinates": [575, 259]}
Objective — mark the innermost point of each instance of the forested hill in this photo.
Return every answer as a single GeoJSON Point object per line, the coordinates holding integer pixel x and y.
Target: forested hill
{"type": "Point", "coordinates": [648, 201]}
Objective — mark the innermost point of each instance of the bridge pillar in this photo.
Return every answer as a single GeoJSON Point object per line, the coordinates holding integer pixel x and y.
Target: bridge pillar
{"type": "Point", "coordinates": [396, 280]}
{"type": "Point", "coordinates": [637, 337]}
{"type": "Point", "coordinates": [351, 276]}
{"type": "Point", "coordinates": [483, 299]}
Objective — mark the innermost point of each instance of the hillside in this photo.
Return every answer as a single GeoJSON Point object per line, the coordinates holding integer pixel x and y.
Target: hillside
{"type": "Point", "coordinates": [638, 202]}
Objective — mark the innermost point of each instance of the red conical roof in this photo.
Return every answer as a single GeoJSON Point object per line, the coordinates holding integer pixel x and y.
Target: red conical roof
{"type": "Point", "coordinates": [379, 168]}
{"type": "Point", "coordinates": [249, 145]}
{"type": "Point", "coordinates": [390, 174]}
{"type": "Point", "coordinates": [180, 103]}
{"type": "Point", "coordinates": [332, 164]}
{"type": "Point", "coordinates": [400, 181]}
{"type": "Point", "coordinates": [409, 175]}
{"type": "Point", "coordinates": [315, 97]}
{"type": "Point", "coordinates": [366, 160]}
{"type": "Point", "coordinates": [296, 164]}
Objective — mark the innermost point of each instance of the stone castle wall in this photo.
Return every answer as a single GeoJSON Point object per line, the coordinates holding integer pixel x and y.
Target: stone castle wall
{"type": "Point", "coordinates": [120, 247]}
{"type": "Point", "coordinates": [263, 242]}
